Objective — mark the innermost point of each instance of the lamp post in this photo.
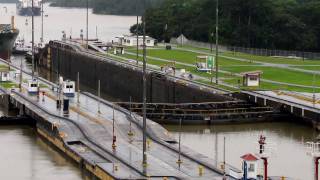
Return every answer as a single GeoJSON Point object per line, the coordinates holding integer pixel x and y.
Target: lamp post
{"type": "Point", "coordinates": [211, 38]}
{"type": "Point", "coordinates": [32, 43]}
{"type": "Point", "coordinates": [137, 32]}
{"type": "Point", "coordinates": [41, 39]}
{"type": "Point", "coordinates": [179, 161]}
{"type": "Point", "coordinates": [217, 39]}
{"type": "Point", "coordinates": [144, 161]}
{"type": "Point", "coordinates": [87, 20]}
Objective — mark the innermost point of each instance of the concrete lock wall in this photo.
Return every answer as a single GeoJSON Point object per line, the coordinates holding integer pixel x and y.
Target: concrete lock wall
{"type": "Point", "coordinates": [122, 81]}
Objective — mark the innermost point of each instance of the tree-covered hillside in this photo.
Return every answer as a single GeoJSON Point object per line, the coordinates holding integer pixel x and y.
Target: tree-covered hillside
{"type": "Point", "coordinates": [280, 24]}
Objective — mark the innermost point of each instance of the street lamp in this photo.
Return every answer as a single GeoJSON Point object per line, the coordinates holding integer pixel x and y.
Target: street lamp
{"type": "Point", "coordinates": [217, 38]}
{"type": "Point", "coordinates": [144, 161]}
{"type": "Point", "coordinates": [87, 46]}
{"type": "Point", "coordinates": [137, 32]}
{"type": "Point", "coordinates": [32, 43]}
{"type": "Point", "coordinates": [211, 38]}
{"type": "Point", "coordinates": [41, 39]}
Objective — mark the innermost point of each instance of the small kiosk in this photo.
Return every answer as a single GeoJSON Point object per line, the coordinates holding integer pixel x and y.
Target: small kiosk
{"type": "Point", "coordinates": [68, 88]}
{"type": "Point", "coordinates": [4, 75]}
{"type": "Point", "coordinates": [251, 79]}
{"type": "Point", "coordinates": [33, 86]}
{"type": "Point", "coordinates": [250, 166]}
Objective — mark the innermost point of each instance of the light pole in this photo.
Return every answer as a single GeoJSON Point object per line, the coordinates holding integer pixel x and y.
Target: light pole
{"type": "Point", "coordinates": [137, 32]}
{"type": "Point", "coordinates": [217, 39]}
{"type": "Point", "coordinates": [41, 40]}
{"type": "Point", "coordinates": [87, 20]}
{"type": "Point", "coordinates": [144, 161]}
{"type": "Point", "coordinates": [32, 34]}
{"type": "Point", "coordinates": [211, 38]}
{"type": "Point", "coordinates": [179, 155]}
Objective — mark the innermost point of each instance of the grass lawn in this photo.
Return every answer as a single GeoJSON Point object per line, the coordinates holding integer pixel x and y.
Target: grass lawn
{"type": "Point", "coordinates": [313, 68]}
{"type": "Point", "coordinates": [9, 84]}
{"type": "Point", "coordinates": [235, 66]}
{"type": "Point", "coordinates": [274, 60]}
{"type": "Point", "coordinates": [270, 86]}
{"type": "Point", "coordinates": [193, 70]}
{"type": "Point", "coordinates": [186, 57]}
{"type": "Point", "coordinates": [278, 74]}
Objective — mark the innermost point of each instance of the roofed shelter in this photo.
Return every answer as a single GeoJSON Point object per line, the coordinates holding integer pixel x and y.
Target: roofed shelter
{"type": "Point", "coordinates": [251, 78]}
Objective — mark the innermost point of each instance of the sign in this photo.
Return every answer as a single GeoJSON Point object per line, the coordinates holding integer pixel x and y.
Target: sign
{"type": "Point", "coordinates": [210, 62]}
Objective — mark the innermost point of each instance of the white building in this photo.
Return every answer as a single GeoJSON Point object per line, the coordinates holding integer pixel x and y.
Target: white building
{"type": "Point", "coordinates": [4, 75]}
{"type": "Point", "coordinates": [132, 40]}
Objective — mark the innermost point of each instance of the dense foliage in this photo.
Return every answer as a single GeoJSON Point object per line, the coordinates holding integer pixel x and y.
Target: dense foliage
{"type": "Point", "coordinates": [281, 24]}
{"type": "Point", "coordinates": [118, 7]}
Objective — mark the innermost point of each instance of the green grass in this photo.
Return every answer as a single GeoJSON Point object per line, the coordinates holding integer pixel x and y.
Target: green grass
{"type": "Point", "coordinates": [9, 84]}
{"type": "Point", "coordinates": [278, 74]}
{"type": "Point", "coordinates": [313, 68]}
{"type": "Point", "coordinates": [269, 86]}
{"type": "Point", "coordinates": [193, 70]}
{"type": "Point", "coordinates": [234, 66]}
{"type": "Point", "coordinates": [186, 57]}
{"type": "Point", "coordinates": [274, 60]}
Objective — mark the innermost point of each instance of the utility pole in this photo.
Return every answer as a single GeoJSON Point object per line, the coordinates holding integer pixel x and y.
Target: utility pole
{"type": "Point", "coordinates": [224, 157]}
{"type": "Point", "coordinates": [32, 22]}
{"type": "Point", "coordinates": [179, 155]}
{"type": "Point", "coordinates": [99, 96]}
{"type": "Point", "coordinates": [144, 161]}
{"type": "Point", "coordinates": [20, 79]}
{"type": "Point", "coordinates": [217, 39]}
{"type": "Point", "coordinates": [313, 89]}
{"type": "Point", "coordinates": [87, 45]}
{"type": "Point", "coordinates": [78, 88]}
{"type": "Point", "coordinates": [211, 39]}
{"type": "Point", "coordinates": [41, 22]}
{"type": "Point", "coordinates": [137, 32]}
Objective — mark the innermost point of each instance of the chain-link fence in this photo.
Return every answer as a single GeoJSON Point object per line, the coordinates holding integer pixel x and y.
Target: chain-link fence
{"type": "Point", "coordinates": [276, 53]}
{"type": "Point", "coordinates": [254, 51]}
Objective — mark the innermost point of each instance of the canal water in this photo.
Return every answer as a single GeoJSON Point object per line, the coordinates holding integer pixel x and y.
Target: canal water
{"type": "Point", "coordinates": [24, 155]}
{"type": "Point", "coordinates": [286, 140]}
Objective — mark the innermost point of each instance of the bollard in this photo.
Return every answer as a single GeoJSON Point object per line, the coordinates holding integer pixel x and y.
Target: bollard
{"type": "Point", "coordinates": [200, 170]}
{"type": "Point", "coordinates": [43, 94]}
{"type": "Point", "coordinates": [116, 167]}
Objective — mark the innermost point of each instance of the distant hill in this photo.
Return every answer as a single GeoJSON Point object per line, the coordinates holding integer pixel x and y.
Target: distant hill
{"type": "Point", "coordinates": [116, 7]}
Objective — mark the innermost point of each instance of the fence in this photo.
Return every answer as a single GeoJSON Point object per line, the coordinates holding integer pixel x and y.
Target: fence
{"type": "Point", "coordinates": [276, 53]}
{"type": "Point", "coordinates": [254, 51]}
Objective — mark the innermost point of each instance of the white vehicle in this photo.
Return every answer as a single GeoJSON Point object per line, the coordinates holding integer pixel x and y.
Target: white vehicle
{"type": "Point", "coordinates": [33, 86]}
{"type": "Point", "coordinates": [68, 88]}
